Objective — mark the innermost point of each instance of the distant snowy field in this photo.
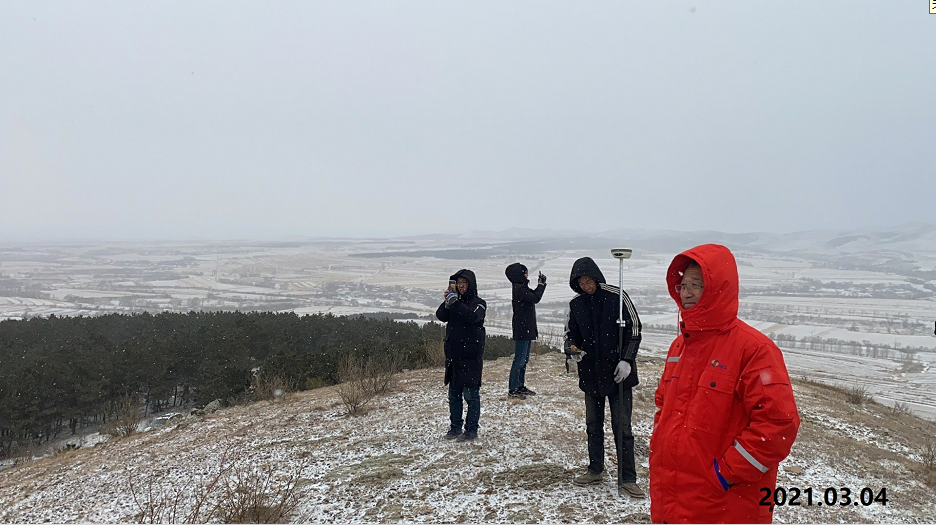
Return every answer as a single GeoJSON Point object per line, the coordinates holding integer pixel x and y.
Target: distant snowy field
{"type": "Point", "coordinates": [789, 294]}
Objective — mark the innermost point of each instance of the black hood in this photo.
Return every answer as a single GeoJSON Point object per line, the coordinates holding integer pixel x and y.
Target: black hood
{"type": "Point", "coordinates": [515, 272]}
{"type": "Point", "coordinates": [472, 282]}
{"type": "Point", "coordinates": [581, 267]}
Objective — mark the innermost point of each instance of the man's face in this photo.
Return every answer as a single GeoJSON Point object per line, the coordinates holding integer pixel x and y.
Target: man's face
{"type": "Point", "coordinates": [587, 284]}
{"type": "Point", "coordinates": [691, 288]}
{"type": "Point", "coordinates": [462, 285]}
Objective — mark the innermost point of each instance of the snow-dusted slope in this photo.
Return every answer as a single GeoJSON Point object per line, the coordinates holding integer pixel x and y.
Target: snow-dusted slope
{"type": "Point", "coordinates": [391, 465]}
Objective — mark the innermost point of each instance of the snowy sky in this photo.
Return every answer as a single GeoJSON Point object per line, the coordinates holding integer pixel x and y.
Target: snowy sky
{"type": "Point", "coordinates": [156, 120]}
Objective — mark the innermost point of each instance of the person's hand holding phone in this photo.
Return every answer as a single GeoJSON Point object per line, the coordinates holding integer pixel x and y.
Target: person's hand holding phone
{"type": "Point", "coordinates": [451, 294]}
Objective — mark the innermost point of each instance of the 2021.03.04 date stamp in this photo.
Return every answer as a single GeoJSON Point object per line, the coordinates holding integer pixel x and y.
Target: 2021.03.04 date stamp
{"type": "Point", "coordinates": [842, 496]}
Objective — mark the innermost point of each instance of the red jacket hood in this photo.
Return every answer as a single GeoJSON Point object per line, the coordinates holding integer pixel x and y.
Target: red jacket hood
{"type": "Point", "coordinates": [718, 306]}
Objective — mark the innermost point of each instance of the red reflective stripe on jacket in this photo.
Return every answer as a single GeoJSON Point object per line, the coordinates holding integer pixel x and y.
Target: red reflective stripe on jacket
{"type": "Point", "coordinates": [727, 398]}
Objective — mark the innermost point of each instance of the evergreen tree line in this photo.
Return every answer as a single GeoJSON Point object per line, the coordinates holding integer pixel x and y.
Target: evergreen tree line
{"type": "Point", "coordinates": [66, 372]}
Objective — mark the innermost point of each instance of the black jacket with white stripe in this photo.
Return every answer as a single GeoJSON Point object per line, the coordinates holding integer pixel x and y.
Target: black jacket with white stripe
{"type": "Point", "coordinates": [464, 334]}
{"type": "Point", "coordinates": [592, 326]}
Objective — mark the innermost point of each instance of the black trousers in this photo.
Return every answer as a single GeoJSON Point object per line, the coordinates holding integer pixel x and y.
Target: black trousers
{"type": "Point", "coordinates": [621, 428]}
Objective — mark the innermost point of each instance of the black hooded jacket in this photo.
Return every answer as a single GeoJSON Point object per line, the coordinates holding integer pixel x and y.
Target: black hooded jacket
{"type": "Point", "coordinates": [593, 327]}
{"type": "Point", "coordinates": [523, 301]}
{"type": "Point", "coordinates": [464, 334]}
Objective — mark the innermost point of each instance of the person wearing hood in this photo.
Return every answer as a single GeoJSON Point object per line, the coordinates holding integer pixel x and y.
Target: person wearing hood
{"type": "Point", "coordinates": [523, 301]}
{"type": "Point", "coordinates": [725, 414]}
{"type": "Point", "coordinates": [463, 312]}
{"type": "Point", "coordinates": [607, 369]}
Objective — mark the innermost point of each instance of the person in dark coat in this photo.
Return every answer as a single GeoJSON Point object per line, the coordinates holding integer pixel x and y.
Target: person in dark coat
{"type": "Point", "coordinates": [524, 326]}
{"type": "Point", "coordinates": [463, 312]}
{"type": "Point", "coordinates": [591, 338]}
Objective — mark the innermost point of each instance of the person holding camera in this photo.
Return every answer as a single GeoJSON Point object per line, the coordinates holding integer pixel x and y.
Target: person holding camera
{"type": "Point", "coordinates": [463, 312]}
{"type": "Point", "coordinates": [523, 301]}
{"type": "Point", "coordinates": [604, 367]}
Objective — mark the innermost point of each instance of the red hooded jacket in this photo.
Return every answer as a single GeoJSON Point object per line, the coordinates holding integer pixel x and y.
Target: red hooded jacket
{"type": "Point", "coordinates": [725, 411]}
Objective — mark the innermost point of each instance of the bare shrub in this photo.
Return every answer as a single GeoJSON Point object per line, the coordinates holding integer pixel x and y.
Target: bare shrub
{"type": "Point", "coordinates": [252, 495]}
{"type": "Point", "coordinates": [550, 340]}
{"type": "Point", "coordinates": [362, 379]}
{"type": "Point", "coordinates": [901, 408]}
{"type": "Point", "coordinates": [857, 394]}
{"type": "Point", "coordinates": [195, 501]}
{"type": "Point", "coordinates": [235, 491]}
{"type": "Point", "coordinates": [434, 353]}
{"type": "Point", "coordinates": [382, 370]}
{"type": "Point", "coordinates": [351, 390]}
{"type": "Point", "coordinates": [928, 454]}
{"type": "Point", "coordinates": [314, 382]}
{"type": "Point", "coordinates": [269, 387]}
{"type": "Point", "coordinates": [22, 452]}
{"type": "Point", "coordinates": [66, 449]}
{"type": "Point", "coordinates": [125, 417]}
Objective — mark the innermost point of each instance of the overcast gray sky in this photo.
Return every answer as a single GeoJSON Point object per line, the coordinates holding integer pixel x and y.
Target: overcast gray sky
{"type": "Point", "coordinates": [147, 120]}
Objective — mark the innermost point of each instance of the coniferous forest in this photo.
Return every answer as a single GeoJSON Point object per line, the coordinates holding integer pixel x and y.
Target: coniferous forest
{"type": "Point", "coordinates": [60, 373]}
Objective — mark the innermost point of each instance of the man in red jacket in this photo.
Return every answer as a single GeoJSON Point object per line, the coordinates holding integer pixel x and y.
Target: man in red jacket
{"type": "Point", "coordinates": [725, 411]}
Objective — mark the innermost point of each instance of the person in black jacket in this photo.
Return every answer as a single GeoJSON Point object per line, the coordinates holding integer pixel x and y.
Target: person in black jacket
{"type": "Point", "coordinates": [524, 326]}
{"type": "Point", "coordinates": [463, 311]}
{"type": "Point", "coordinates": [592, 338]}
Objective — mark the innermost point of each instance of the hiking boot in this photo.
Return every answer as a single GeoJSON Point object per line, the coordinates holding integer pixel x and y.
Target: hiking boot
{"type": "Point", "coordinates": [588, 478]}
{"type": "Point", "coordinates": [467, 436]}
{"type": "Point", "coordinates": [515, 394]}
{"type": "Point", "coordinates": [452, 433]}
{"type": "Point", "coordinates": [526, 391]}
{"type": "Point", "coordinates": [631, 489]}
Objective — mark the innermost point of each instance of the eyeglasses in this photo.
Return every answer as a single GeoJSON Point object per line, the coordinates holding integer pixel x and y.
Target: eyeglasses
{"type": "Point", "coordinates": [691, 287]}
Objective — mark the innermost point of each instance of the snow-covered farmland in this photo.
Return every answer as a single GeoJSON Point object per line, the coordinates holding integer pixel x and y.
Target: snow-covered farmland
{"type": "Point", "coordinates": [800, 296]}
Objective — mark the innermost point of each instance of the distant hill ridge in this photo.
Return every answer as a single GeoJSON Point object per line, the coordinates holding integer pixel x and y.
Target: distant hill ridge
{"type": "Point", "coordinates": [908, 241]}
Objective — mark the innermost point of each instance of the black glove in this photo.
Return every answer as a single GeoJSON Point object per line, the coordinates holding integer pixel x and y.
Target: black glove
{"type": "Point", "coordinates": [542, 279]}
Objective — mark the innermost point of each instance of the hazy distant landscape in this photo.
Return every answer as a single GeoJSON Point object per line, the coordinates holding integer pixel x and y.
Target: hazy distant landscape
{"type": "Point", "coordinates": [846, 306]}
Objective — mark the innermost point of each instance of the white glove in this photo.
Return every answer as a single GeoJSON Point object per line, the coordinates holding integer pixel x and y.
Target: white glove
{"type": "Point", "coordinates": [577, 357]}
{"type": "Point", "coordinates": [623, 370]}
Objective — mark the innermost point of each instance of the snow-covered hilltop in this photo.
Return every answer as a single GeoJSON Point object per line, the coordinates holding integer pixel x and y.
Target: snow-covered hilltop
{"type": "Point", "coordinates": [391, 465]}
